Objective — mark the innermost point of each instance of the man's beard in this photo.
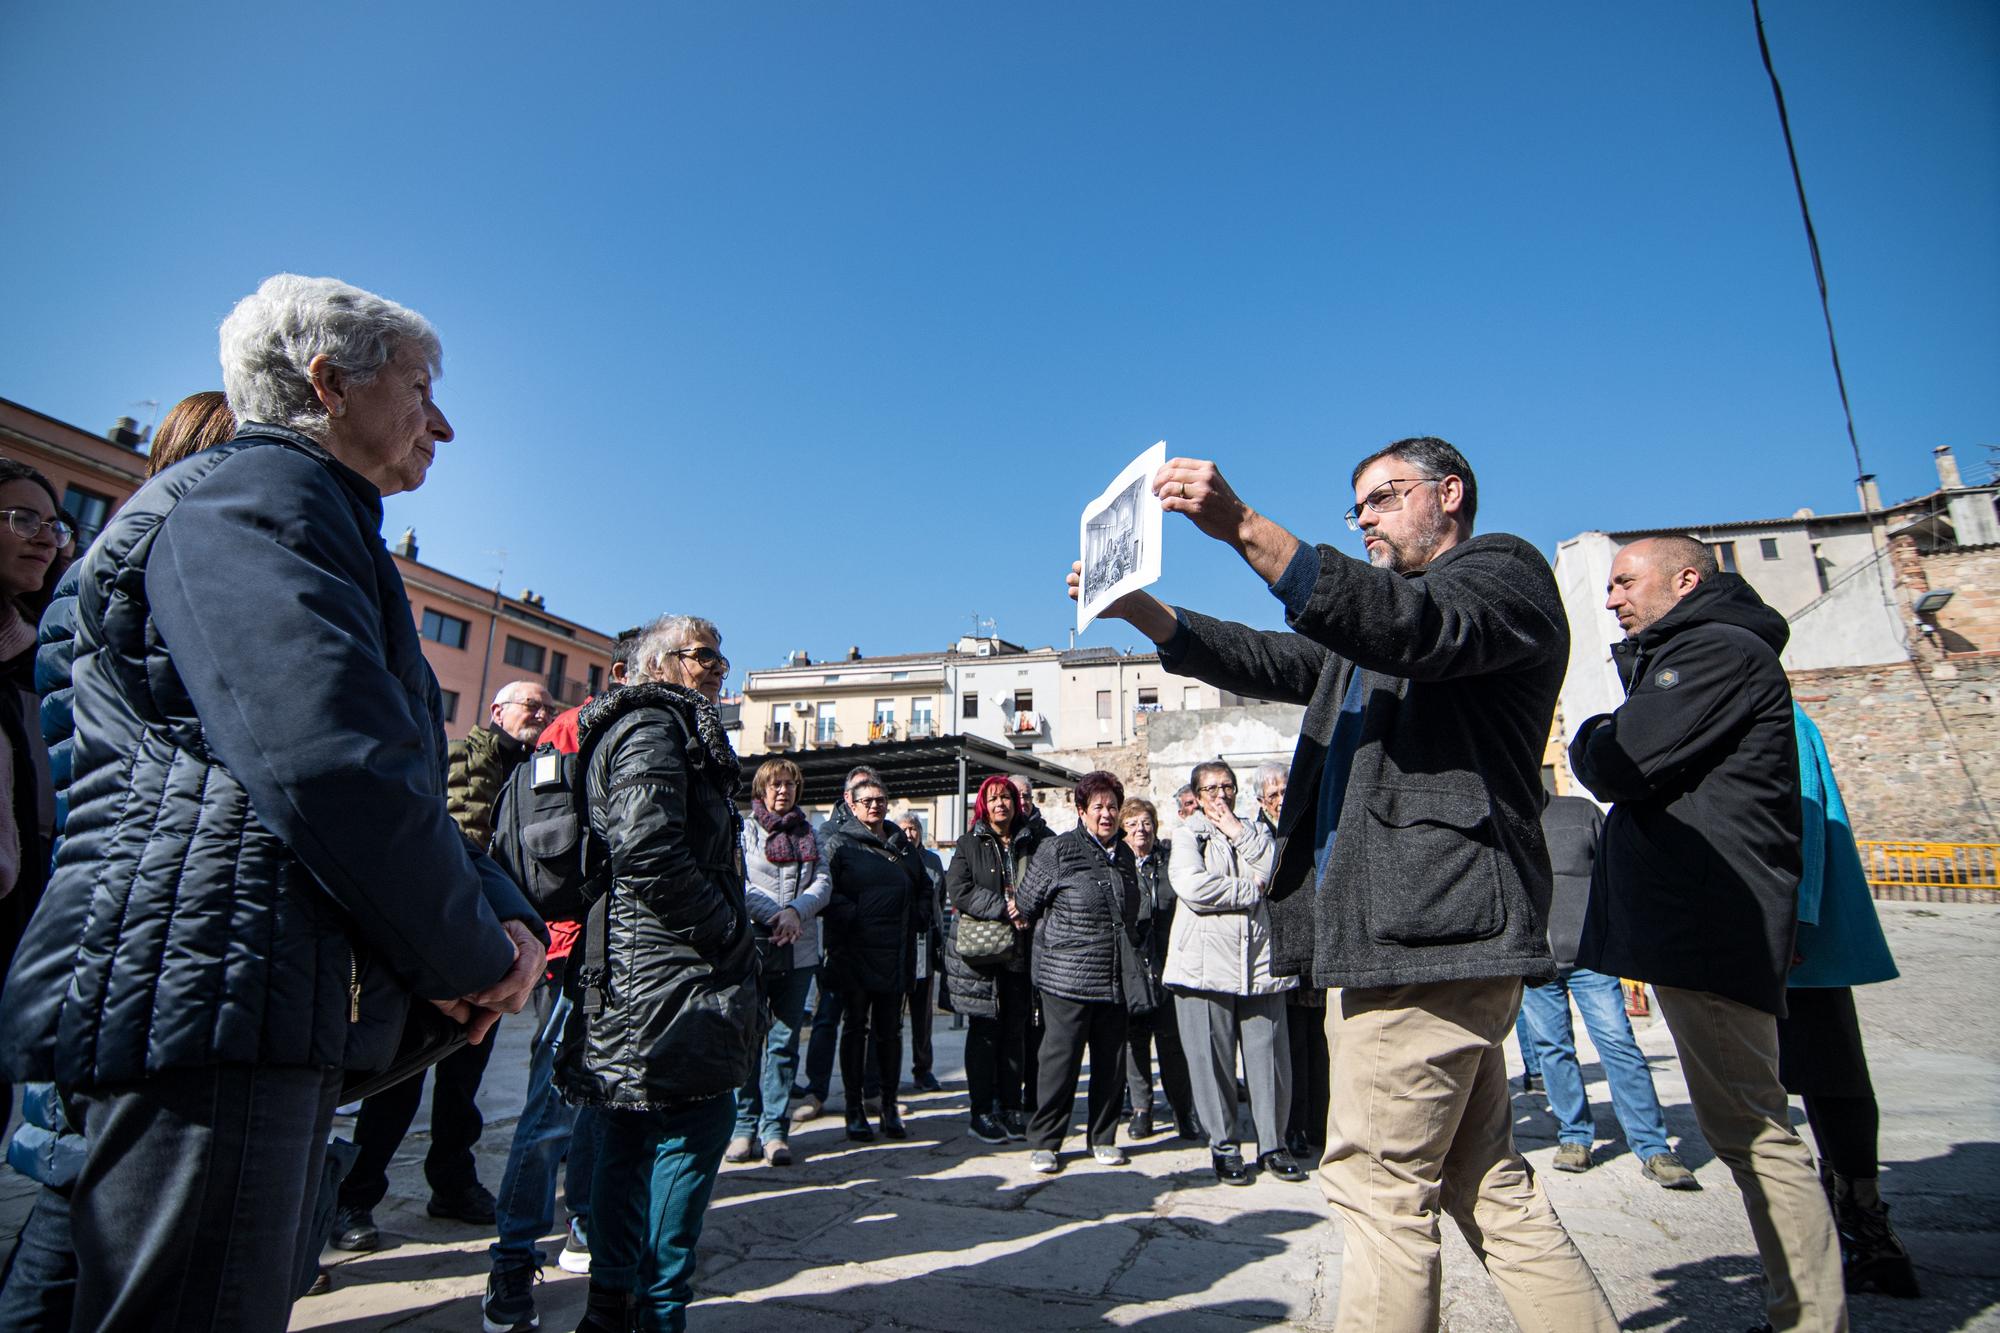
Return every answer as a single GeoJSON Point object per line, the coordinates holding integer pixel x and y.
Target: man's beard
{"type": "Point", "coordinates": [1416, 552]}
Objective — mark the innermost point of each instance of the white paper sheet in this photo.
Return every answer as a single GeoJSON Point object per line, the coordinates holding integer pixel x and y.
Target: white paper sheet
{"type": "Point", "coordinates": [1120, 537]}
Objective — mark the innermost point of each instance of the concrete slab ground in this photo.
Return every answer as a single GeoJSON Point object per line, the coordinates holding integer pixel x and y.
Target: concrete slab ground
{"type": "Point", "coordinates": [944, 1233]}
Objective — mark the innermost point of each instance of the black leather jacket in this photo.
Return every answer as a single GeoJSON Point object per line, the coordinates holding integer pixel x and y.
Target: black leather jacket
{"type": "Point", "coordinates": [669, 1002]}
{"type": "Point", "coordinates": [978, 880]}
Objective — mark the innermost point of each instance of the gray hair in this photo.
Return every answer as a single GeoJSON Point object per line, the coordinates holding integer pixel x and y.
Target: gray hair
{"type": "Point", "coordinates": [1207, 766]}
{"type": "Point", "coordinates": [274, 333]}
{"type": "Point", "coordinates": [1434, 458]}
{"type": "Point", "coordinates": [660, 639]}
{"type": "Point", "coordinates": [1267, 771]}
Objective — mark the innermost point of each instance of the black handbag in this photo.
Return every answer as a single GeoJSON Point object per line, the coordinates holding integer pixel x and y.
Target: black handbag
{"type": "Point", "coordinates": [429, 1035]}
{"type": "Point", "coordinates": [1137, 985]}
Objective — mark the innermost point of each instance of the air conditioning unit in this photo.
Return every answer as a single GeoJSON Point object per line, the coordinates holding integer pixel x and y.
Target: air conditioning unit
{"type": "Point", "coordinates": [801, 706]}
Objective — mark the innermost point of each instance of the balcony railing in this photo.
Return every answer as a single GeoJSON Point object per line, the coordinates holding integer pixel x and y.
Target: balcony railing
{"type": "Point", "coordinates": [882, 730]}
{"type": "Point", "coordinates": [827, 735]}
{"type": "Point", "coordinates": [778, 736]}
{"type": "Point", "coordinates": [920, 729]}
{"type": "Point", "coordinates": [1025, 729]}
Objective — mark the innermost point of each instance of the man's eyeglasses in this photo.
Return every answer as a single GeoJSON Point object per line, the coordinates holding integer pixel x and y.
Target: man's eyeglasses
{"type": "Point", "coordinates": [532, 709]}
{"type": "Point", "coordinates": [1217, 789]}
{"type": "Point", "coordinates": [1386, 499]}
{"type": "Point", "coordinates": [704, 657]}
{"type": "Point", "coordinates": [871, 800]}
{"type": "Point", "coordinates": [25, 523]}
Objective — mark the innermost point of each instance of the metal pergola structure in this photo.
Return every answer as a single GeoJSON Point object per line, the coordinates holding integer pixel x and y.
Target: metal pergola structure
{"type": "Point", "coordinates": [937, 766]}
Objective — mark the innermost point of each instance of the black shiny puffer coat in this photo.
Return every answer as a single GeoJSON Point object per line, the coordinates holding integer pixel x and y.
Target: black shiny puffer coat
{"type": "Point", "coordinates": [1069, 892]}
{"type": "Point", "coordinates": [880, 909]}
{"type": "Point", "coordinates": [978, 880]}
{"type": "Point", "coordinates": [668, 1003]}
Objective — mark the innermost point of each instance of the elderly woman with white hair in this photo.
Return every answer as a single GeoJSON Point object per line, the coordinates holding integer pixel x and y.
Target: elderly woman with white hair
{"type": "Point", "coordinates": [667, 1022]}
{"type": "Point", "coordinates": [259, 877]}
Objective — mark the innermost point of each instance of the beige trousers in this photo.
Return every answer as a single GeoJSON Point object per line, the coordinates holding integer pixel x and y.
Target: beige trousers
{"type": "Point", "coordinates": [1729, 1055]}
{"type": "Point", "coordinates": [1420, 1121]}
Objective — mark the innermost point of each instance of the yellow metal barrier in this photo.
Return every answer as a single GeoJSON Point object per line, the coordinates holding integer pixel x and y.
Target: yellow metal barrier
{"type": "Point", "coordinates": [1940, 865]}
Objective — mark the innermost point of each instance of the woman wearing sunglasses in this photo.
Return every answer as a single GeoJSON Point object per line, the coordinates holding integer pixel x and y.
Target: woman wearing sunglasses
{"type": "Point", "coordinates": [875, 921]}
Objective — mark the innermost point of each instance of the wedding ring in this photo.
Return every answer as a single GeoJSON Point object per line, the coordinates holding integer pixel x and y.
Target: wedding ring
{"type": "Point", "coordinates": [1183, 490]}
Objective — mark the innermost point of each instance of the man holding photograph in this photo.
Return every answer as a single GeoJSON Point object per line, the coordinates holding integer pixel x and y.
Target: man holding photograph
{"type": "Point", "coordinates": [1430, 673]}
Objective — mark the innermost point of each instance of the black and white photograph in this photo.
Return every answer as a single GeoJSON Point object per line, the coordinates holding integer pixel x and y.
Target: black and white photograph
{"type": "Point", "coordinates": [1121, 536]}
{"type": "Point", "coordinates": [1111, 540]}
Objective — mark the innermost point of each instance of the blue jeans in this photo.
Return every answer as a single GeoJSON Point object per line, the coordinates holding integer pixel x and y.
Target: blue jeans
{"type": "Point", "coordinates": [1601, 1001]}
{"type": "Point", "coordinates": [825, 1044]}
{"type": "Point", "coordinates": [549, 1129]}
{"type": "Point", "coordinates": [1531, 1064]}
{"type": "Point", "coordinates": [762, 1100]}
{"type": "Point", "coordinates": [38, 1288]}
{"type": "Point", "coordinates": [655, 1172]}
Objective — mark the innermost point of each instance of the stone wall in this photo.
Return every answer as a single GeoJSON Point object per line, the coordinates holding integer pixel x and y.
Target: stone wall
{"type": "Point", "coordinates": [1915, 746]}
{"type": "Point", "coordinates": [1970, 621]}
{"type": "Point", "coordinates": [1245, 735]}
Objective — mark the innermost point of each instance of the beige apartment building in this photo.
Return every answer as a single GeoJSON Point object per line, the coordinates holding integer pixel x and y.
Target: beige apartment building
{"type": "Point", "coordinates": [476, 639]}
{"type": "Point", "coordinates": [1044, 701]}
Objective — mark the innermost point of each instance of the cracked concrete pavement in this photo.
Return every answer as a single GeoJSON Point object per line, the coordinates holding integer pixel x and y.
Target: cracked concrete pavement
{"type": "Point", "coordinates": [945, 1234]}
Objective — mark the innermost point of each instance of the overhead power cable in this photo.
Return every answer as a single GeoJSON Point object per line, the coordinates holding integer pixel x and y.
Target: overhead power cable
{"type": "Point", "coordinates": [1812, 240]}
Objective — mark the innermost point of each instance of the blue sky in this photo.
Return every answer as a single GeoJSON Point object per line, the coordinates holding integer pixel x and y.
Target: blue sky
{"type": "Point", "coordinates": [824, 320]}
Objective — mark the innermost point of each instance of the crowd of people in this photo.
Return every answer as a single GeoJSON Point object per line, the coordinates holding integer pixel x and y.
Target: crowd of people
{"type": "Point", "coordinates": [245, 882]}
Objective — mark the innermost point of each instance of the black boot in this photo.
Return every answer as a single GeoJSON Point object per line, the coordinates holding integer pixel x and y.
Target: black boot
{"type": "Point", "coordinates": [892, 1121]}
{"type": "Point", "coordinates": [1872, 1257]}
{"type": "Point", "coordinates": [608, 1312]}
{"type": "Point", "coordinates": [858, 1127]}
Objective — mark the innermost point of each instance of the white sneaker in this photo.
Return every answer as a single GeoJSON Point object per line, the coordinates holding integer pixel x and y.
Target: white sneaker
{"type": "Point", "coordinates": [1109, 1154]}
{"type": "Point", "coordinates": [575, 1256]}
{"type": "Point", "coordinates": [1044, 1162]}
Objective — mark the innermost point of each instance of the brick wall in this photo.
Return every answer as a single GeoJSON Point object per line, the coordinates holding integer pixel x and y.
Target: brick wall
{"type": "Point", "coordinates": [1916, 748]}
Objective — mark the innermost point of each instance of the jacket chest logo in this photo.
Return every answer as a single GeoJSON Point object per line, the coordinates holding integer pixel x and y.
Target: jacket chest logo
{"type": "Point", "coordinates": [1667, 678]}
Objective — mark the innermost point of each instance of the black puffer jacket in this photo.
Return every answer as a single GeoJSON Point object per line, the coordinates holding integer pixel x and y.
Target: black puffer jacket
{"type": "Point", "coordinates": [1696, 881]}
{"type": "Point", "coordinates": [668, 1005]}
{"type": "Point", "coordinates": [880, 910]}
{"type": "Point", "coordinates": [1068, 893]}
{"type": "Point", "coordinates": [257, 866]}
{"type": "Point", "coordinates": [981, 871]}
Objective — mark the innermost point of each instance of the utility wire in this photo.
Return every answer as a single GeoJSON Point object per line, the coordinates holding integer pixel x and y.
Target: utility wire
{"type": "Point", "coordinates": [1860, 470]}
{"type": "Point", "coordinates": [1812, 240]}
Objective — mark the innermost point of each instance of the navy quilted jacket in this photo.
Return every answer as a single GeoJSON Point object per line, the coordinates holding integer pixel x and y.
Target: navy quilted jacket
{"type": "Point", "coordinates": [55, 644]}
{"type": "Point", "coordinates": [257, 863]}
{"type": "Point", "coordinates": [1069, 893]}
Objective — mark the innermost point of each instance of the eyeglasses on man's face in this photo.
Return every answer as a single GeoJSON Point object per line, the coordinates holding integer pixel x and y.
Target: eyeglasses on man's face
{"type": "Point", "coordinates": [533, 708]}
{"type": "Point", "coordinates": [1386, 499]}
{"type": "Point", "coordinates": [1217, 789]}
{"type": "Point", "coordinates": [25, 523]}
{"type": "Point", "coordinates": [871, 800]}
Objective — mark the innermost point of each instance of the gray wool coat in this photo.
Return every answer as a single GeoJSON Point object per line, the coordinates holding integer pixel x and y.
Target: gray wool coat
{"type": "Point", "coordinates": [1439, 872]}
